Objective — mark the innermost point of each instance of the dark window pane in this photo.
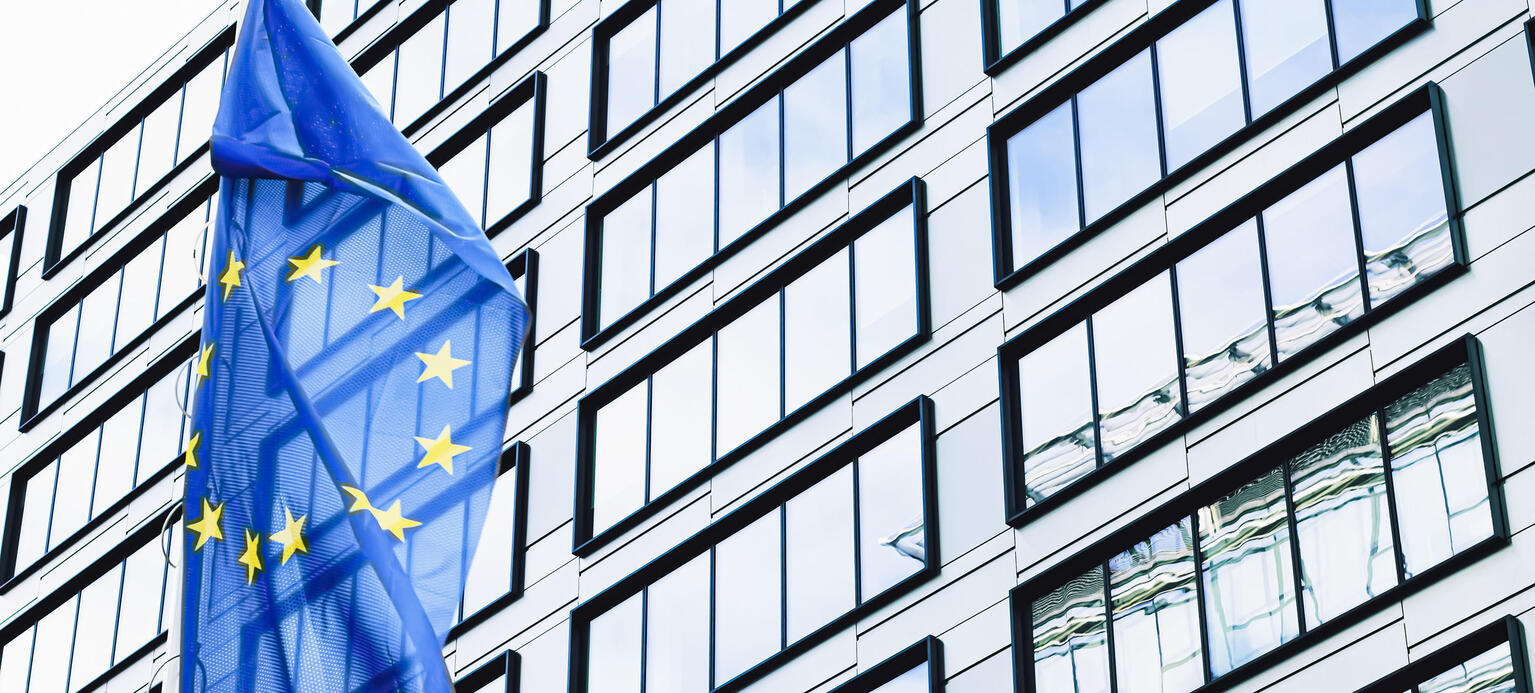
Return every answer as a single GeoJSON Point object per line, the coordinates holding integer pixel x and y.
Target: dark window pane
{"type": "Point", "coordinates": [817, 331]}
{"type": "Point", "coordinates": [681, 411]}
{"type": "Point", "coordinates": [687, 41]}
{"type": "Point", "coordinates": [1020, 20]}
{"type": "Point", "coordinates": [613, 649]}
{"type": "Point", "coordinates": [885, 286]}
{"type": "Point", "coordinates": [618, 481]}
{"type": "Point", "coordinates": [738, 21]}
{"type": "Point", "coordinates": [819, 562]}
{"type": "Point", "coordinates": [1401, 210]}
{"type": "Point", "coordinates": [471, 39]}
{"type": "Point", "coordinates": [892, 536]}
{"type": "Point", "coordinates": [881, 82]}
{"type": "Point", "coordinates": [1042, 185]}
{"type": "Point", "coordinates": [1286, 48]}
{"type": "Point", "coordinates": [748, 595]}
{"type": "Point", "coordinates": [1071, 639]}
{"type": "Point", "coordinates": [1313, 262]}
{"type": "Point", "coordinates": [1201, 81]}
{"type": "Point", "coordinates": [1119, 136]}
{"type": "Point", "coordinates": [1364, 23]}
{"type": "Point", "coordinates": [1341, 520]}
{"type": "Point", "coordinates": [632, 71]}
{"type": "Point", "coordinates": [1156, 614]}
{"type": "Point", "coordinates": [1223, 316]}
{"type": "Point", "coordinates": [1248, 575]}
{"type": "Point", "coordinates": [625, 262]}
{"type": "Point", "coordinates": [748, 375]}
{"type": "Point", "coordinates": [685, 216]}
{"type": "Point", "coordinates": [1136, 357]}
{"type": "Point", "coordinates": [815, 126]}
{"type": "Point", "coordinates": [1056, 408]}
{"type": "Point", "coordinates": [914, 681]}
{"type": "Point", "coordinates": [677, 630]}
{"type": "Point", "coordinates": [1437, 466]}
{"type": "Point", "coordinates": [418, 84]}
{"type": "Point", "coordinates": [748, 175]}
{"type": "Point", "coordinates": [1489, 672]}
{"type": "Point", "coordinates": [511, 164]}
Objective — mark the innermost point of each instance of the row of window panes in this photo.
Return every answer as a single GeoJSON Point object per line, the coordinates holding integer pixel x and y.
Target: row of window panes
{"type": "Point", "coordinates": [669, 44]}
{"type": "Point", "coordinates": [1331, 508]}
{"type": "Point", "coordinates": [113, 617]}
{"type": "Point", "coordinates": [490, 573]}
{"type": "Point", "coordinates": [493, 175]}
{"type": "Point", "coordinates": [1489, 672]}
{"type": "Point", "coordinates": [838, 544]}
{"type": "Point", "coordinates": [1171, 103]}
{"type": "Point", "coordinates": [823, 326]}
{"type": "Point", "coordinates": [140, 158]}
{"type": "Point", "coordinates": [113, 314]}
{"type": "Point", "coordinates": [1282, 280]}
{"type": "Point", "coordinates": [445, 52]}
{"type": "Point", "coordinates": [761, 163]}
{"type": "Point", "coordinates": [112, 460]}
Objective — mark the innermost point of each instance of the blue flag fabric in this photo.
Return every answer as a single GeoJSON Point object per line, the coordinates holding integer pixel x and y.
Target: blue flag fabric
{"type": "Point", "coordinates": [358, 343]}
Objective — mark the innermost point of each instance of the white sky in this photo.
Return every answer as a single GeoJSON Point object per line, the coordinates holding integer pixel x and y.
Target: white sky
{"type": "Point", "coordinates": [61, 60]}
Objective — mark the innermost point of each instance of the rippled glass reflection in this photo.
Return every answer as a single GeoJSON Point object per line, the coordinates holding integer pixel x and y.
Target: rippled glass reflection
{"type": "Point", "coordinates": [1071, 650]}
{"type": "Point", "coordinates": [1402, 215]}
{"type": "Point", "coordinates": [1313, 262]}
{"type": "Point", "coordinates": [1135, 357]}
{"type": "Point", "coordinates": [1156, 614]}
{"type": "Point", "coordinates": [1223, 318]}
{"type": "Point", "coordinates": [1248, 575]}
{"type": "Point", "coordinates": [1489, 672]}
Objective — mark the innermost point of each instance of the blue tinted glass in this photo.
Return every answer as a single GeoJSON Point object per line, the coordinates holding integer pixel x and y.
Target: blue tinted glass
{"type": "Point", "coordinates": [1286, 48]}
{"type": "Point", "coordinates": [1201, 81]}
{"type": "Point", "coordinates": [881, 80]}
{"type": "Point", "coordinates": [815, 126]}
{"type": "Point", "coordinates": [1020, 20]}
{"type": "Point", "coordinates": [631, 71]}
{"type": "Point", "coordinates": [1364, 23]}
{"type": "Point", "coordinates": [1313, 262]}
{"type": "Point", "coordinates": [748, 174]}
{"type": "Point", "coordinates": [1042, 185]}
{"type": "Point", "coordinates": [1118, 122]}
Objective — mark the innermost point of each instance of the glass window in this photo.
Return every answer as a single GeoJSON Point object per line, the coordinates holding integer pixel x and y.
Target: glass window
{"type": "Point", "coordinates": [157, 149]}
{"type": "Point", "coordinates": [93, 637]}
{"type": "Point", "coordinates": [120, 444]}
{"type": "Point", "coordinates": [1402, 213]}
{"type": "Point", "coordinates": [136, 310]}
{"type": "Point", "coordinates": [59, 355]}
{"type": "Point", "coordinates": [632, 71]}
{"type": "Point", "coordinates": [1248, 575]}
{"type": "Point", "coordinates": [1056, 408]}
{"type": "Point", "coordinates": [16, 660]}
{"type": "Point", "coordinates": [892, 538]}
{"type": "Point", "coordinates": [471, 43]}
{"type": "Point", "coordinates": [685, 216]}
{"type": "Point", "coordinates": [1491, 671]}
{"type": "Point", "coordinates": [115, 190]}
{"type": "Point", "coordinates": [1118, 124]}
{"type": "Point", "coordinates": [1223, 316]}
{"type": "Point", "coordinates": [510, 181]}
{"type": "Point", "coordinates": [515, 19]}
{"type": "Point", "coordinates": [1347, 554]}
{"type": "Point", "coordinates": [625, 241]}
{"type": "Point", "coordinates": [748, 597]}
{"type": "Point", "coordinates": [687, 40]}
{"type": "Point", "coordinates": [418, 77]}
{"type": "Point", "coordinates": [819, 559]}
{"type": "Point", "coordinates": [1313, 262]}
{"type": "Point", "coordinates": [72, 503]}
{"type": "Point", "coordinates": [335, 15]}
{"type": "Point", "coordinates": [1363, 23]}
{"type": "Point", "coordinates": [817, 331]}
{"type": "Point", "coordinates": [677, 630]}
{"type": "Point", "coordinates": [78, 224]}
{"type": "Point", "coordinates": [613, 648]}
{"type": "Point", "coordinates": [1438, 471]}
{"type": "Point", "coordinates": [1020, 20]}
{"type": "Point", "coordinates": [32, 540]}
{"type": "Point", "coordinates": [465, 176]}
{"type": "Point", "coordinates": [1156, 614]}
{"type": "Point", "coordinates": [748, 375]}
{"type": "Point", "coordinates": [681, 412]}
{"type": "Point", "coordinates": [55, 636]}
{"type": "Point", "coordinates": [98, 315]}
{"type": "Point", "coordinates": [379, 80]}
{"type": "Point", "coordinates": [1201, 81]}
{"type": "Point", "coordinates": [749, 173]}
{"type": "Point", "coordinates": [490, 573]}
{"type": "Point", "coordinates": [738, 21]}
{"type": "Point", "coordinates": [619, 451]}
{"type": "Point", "coordinates": [1135, 356]}
{"type": "Point", "coordinates": [881, 93]}
{"type": "Point", "coordinates": [885, 287]}
{"type": "Point", "coordinates": [200, 107]}
{"type": "Point", "coordinates": [1287, 49]}
{"type": "Point", "coordinates": [144, 578]}
{"type": "Point", "coordinates": [815, 126]}
{"type": "Point", "coordinates": [1071, 650]}
{"type": "Point", "coordinates": [1042, 185]}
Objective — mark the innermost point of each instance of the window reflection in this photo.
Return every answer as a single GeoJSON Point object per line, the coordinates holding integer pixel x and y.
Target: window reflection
{"type": "Point", "coordinates": [1020, 20]}
{"type": "Point", "coordinates": [881, 82]}
{"type": "Point", "coordinates": [819, 563]}
{"type": "Point", "coordinates": [749, 174]}
{"type": "Point", "coordinates": [1223, 316]}
{"type": "Point", "coordinates": [1059, 434]}
{"type": "Point", "coordinates": [613, 648]}
{"type": "Point", "coordinates": [885, 291]}
{"type": "Point", "coordinates": [1201, 83]}
{"type": "Point", "coordinates": [1364, 23]}
{"type": "Point", "coordinates": [1489, 672]}
{"type": "Point", "coordinates": [892, 540]}
{"type": "Point", "coordinates": [1042, 185]}
{"type": "Point", "coordinates": [1402, 214]}
{"type": "Point", "coordinates": [1118, 125]}
{"type": "Point", "coordinates": [1248, 575]}
{"type": "Point", "coordinates": [1156, 614]}
{"type": "Point", "coordinates": [748, 375]}
{"type": "Point", "coordinates": [1286, 46]}
{"type": "Point", "coordinates": [1313, 262]}
{"type": "Point", "coordinates": [818, 330]}
{"type": "Point", "coordinates": [1136, 361]}
{"type": "Point", "coordinates": [815, 126]}
{"type": "Point", "coordinates": [677, 630]}
{"type": "Point", "coordinates": [1071, 637]}
{"type": "Point", "coordinates": [748, 594]}
{"type": "Point", "coordinates": [619, 451]}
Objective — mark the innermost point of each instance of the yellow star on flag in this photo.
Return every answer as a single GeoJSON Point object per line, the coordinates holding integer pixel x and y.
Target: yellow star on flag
{"type": "Point", "coordinates": [291, 536]}
{"type": "Point", "coordinates": [231, 276]}
{"type": "Point", "coordinates": [440, 451]}
{"type": "Point", "coordinates": [392, 297]}
{"type": "Point", "coordinates": [192, 444]}
{"type": "Point", "coordinates": [440, 365]}
{"type": "Point", "coordinates": [311, 264]}
{"type": "Point", "coordinates": [204, 361]}
{"type": "Point", "coordinates": [209, 525]}
{"type": "Point", "coordinates": [251, 558]}
{"type": "Point", "coordinates": [359, 499]}
{"type": "Point", "coordinates": [393, 522]}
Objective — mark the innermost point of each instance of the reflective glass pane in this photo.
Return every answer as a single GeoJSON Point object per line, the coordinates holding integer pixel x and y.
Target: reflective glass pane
{"type": "Point", "coordinates": [815, 126]}
{"type": "Point", "coordinates": [1042, 185]}
{"type": "Point", "coordinates": [1056, 412]}
{"type": "Point", "coordinates": [625, 266]}
{"type": "Point", "coordinates": [120, 447]}
{"type": "Point", "coordinates": [1489, 672]}
{"type": "Point", "coordinates": [335, 15]}
{"type": "Point", "coordinates": [1135, 354]}
{"type": "Point", "coordinates": [1156, 614]}
{"type": "Point", "coordinates": [117, 167]}
{"type": "Point", "coordinates": [1118, 123]}
{"type": "Point", "coordinates": [515, 18]}
{"type": "Point", "coordinates": [915, 680]}
{"type": "Point", "coordinates": [1248, 575]}
{"type": "Point", "coordinates": [881, 80]}
{"type": "Point", "coordinates": [885, 287]}
{"type": "Point", "coordinates": [819, 559]}
{"type": "Point", "coordinates": [613, 649]}
{"type": "Point", "coordinates": [1071, 650]}
{"type": "Point", "coordinates": [179, 275]}
{"type": "Point", "coordinates": [32, 540]}
{"type": "Point", "coordinates": [631, 71]}
{"type": "Point", "coordinates": [1313, 262]}
{"type": "Point", "coordinates": [680, 415]}
{"type": "Point", "coordinates": [1020, 20]}
{"type": "Point", "coordinates": [1285, 42]}
{"type": "Point", "coordinates": [72, 500]}
{"type": "Point", "coordinates": [490, 574]}
{"type": "Point", "coordinates": [685, 216]}
{"type": "Point", "coordinates": [200, 107]}
{"type": "Point", "coordinates": [1364, 23]}
{"type": "Point", "coordinates": [93, 636]}
{"type": "Point", "coordinates": [748, 595]}
{"type": "Point", "coordinates": [144, 579]}
{"type": "Point", "coordinates": [817, 331]}
{"type": "Point", "coordinates": [687, 41]}
{"type": "Point", "coordinates": [1342, 522]}
{"type": "Point", "coordinates": [1201, 81]}
{"type": "Point", "coordinates": [739, 20]}
{"type": "Point", "coordinates": [618, 482]}
{"type": "Point", "coordinates": [82, 204]}
{"type": "Point", "coordinates": [465, 176]}
{"type": "Point", "coordinates": [748, 176]}
{"type": "Point", "coordinates": [7, 244]}
{"type": "Point", "coordinates": [162, 437]}
{"type": "Point", "coordinates": [16, 661]}
{"type": "Point", "coordinates": [1223, 316]}
{"type": "Point", "coordinates": [677, 630]}
{"type": "Point", "coordinates": [747, 376]}
{"type": "Point", "coordinates": [892, 536]}
{"type": "Point", "coordinates": [59, 356]}
{"type": "Point", "coordinates": [141, 285]}
{"type": "Point", "coordinates": [418, 78]}
{"type": "Point", "coordinates": [510, 182]}
{"type": "Point", "coordinates": [55, 636]}
{"type": "Point", "coordinates": [1438, 470]}
{"type": "Point", "coordinates": [379, 80]}
{"type": "Point", "coordinates": [157, 150]}
{"type": "Point", "coordinates": [1402, 210]}
{"type": "Point", "coordinates": [98, 318]}
{"type": "Point", "coordinates": [471, 30]}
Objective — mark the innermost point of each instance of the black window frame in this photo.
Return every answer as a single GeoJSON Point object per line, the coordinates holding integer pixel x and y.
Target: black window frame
{"type": "Point", "coordinates": [385, 46]}
{"type": "Point", "coordinates": [1132, 44]}
{"type": "Point", "coordinates": [1504, 630]}
{"type": "Point", "coordinates": [33, 410]}
{"type": "Point", "coordinates": [525, 264]}
{"type": "Point", "coordinates": [514, 460]}
{"type": "Point", "coordinates": [915, 413]}
{"type": "Point", "coordinates": [928, 650]}
{"type": "Point", "coordinates": [598, 142]}
{"type": "Point", "coordinates": [593, 334]}
{"type": "Point", "coordinates": [1465, 351]}
{"type": "Point", "coordinates": [508, 664]}
{"type": "Point", "coordinates": [1428, 99]}
{"type": "Point", "coordinates": [13, 224]}
{"type": "Point", "coordinates": [55, 257]}
{"type": "Point", "coordinates": [531, 89]}
{"type": "Point", "coordinates": [909, 195]}
{"type": "Point", "coordinates": [174, 358]}
{"type": "Point", "coordinates": [995, 62]}
{"type": "Point", "coordinates": [357, 22]}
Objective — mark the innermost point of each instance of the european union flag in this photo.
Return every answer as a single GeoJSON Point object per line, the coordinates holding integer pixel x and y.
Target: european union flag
{"type": "Point", "coordinates": [358, 342]}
